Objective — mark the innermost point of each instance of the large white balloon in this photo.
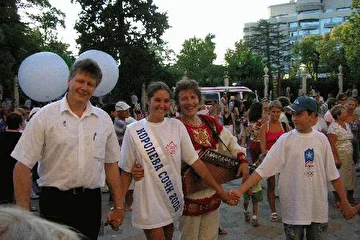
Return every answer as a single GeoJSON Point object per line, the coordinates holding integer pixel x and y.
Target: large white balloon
{"type": "Point", "coordinates": [109, 69]}
{"type": "Point", "coordinates": [43, 76]}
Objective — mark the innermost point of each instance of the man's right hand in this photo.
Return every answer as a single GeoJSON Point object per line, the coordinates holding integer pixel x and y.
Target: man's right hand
{"type": "Point", "coordinates": [137, 172]}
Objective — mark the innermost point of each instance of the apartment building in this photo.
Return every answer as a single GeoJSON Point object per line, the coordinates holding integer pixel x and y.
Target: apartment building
{"type": "Point", "coordinates": [306, 17]}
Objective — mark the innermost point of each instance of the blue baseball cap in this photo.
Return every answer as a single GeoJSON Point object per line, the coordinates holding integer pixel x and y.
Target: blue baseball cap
{"type": "Point", "coordinates": [302, 104]}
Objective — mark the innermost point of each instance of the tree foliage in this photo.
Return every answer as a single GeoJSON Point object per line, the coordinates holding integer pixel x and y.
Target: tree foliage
{"type": "Point", "coordinates": [21, 36]}
{"type": "Point", "coordinates": [196, 57]}
{"type": "Point", "coordinates": [348, 36]}
{"type": "Point", "coordinates": [271, 43]}
{"type": "Point", "coordinates": [243, 66]}
{"type": "Point", "coordinates": [128, 31]}
{"type": "Point", "coordinates": [308, 53]}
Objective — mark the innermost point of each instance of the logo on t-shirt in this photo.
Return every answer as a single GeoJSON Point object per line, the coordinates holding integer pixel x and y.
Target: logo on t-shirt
{"type": "Point", "coordinates": [309, 157]}
{"type": "Point", "coordinates": [171, 147]}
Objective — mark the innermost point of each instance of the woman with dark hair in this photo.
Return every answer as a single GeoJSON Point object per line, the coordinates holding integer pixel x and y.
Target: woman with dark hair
{"type": "Point", "coordinates": [8, 141]}
{"type": "Point", "coordinates": [340, 137]}
{"type": "Point", "coordinates": [255, 121]}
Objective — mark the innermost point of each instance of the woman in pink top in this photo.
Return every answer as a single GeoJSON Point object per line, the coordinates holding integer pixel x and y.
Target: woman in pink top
{"type": "Point", "coordinates": [270, 131]}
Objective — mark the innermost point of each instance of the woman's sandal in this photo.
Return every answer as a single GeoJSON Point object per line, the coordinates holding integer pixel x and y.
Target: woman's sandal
{"type": "Point", "coordinates": [247, 216]}
{"type": "Point", "coordinates": [222, 231]}
{"type": "Point", "coordinates": [274, 217]}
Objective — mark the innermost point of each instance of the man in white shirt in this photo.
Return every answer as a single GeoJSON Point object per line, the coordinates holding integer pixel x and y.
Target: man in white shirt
{"type": "Point", "coordinates": [78, 148]}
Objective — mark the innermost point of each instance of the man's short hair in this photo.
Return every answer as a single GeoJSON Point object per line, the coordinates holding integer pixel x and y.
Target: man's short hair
{"type": "Point", "coordinates": [89, 67]}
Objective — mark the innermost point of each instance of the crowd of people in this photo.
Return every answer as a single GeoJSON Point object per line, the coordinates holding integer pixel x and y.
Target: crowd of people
{"type": "Point", "coordinates": [68, 151]}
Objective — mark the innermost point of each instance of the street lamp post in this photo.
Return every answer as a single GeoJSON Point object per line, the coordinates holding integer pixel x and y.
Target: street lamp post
{"type": "Point", "coordinates": [266, 81]}
{"type": "Point", "coordinates": [303, 78]}
{"type": "Point", "coordinates": [340, 76]}
{"type": "Point", "coordinates": [226, 79]}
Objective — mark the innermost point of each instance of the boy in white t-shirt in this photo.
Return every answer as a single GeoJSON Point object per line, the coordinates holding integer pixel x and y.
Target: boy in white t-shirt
{"type": "Point", "coordinates": [304, 159]}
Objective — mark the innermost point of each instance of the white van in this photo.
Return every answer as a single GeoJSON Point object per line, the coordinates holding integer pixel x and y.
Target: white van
{"type": "Point", "coordinates": [210, 94]}
{"type": "Point", "coordinates": [213, 94]}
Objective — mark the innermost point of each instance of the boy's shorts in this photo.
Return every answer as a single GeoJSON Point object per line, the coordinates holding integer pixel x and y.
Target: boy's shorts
{"type": "Point", "coordinates": [314, 231]}
{"type": "Point", "coordinates": [255, 197]}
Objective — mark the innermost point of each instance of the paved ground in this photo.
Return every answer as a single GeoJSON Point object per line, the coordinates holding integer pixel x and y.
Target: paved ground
{"type": "Point", "coordinates": [232, 219]}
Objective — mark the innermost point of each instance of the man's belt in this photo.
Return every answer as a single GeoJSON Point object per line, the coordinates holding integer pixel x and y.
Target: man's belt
{"type": "Point", "coordinates": [221, 167]}
{"type": "Point", "coordinates": [72, 191]}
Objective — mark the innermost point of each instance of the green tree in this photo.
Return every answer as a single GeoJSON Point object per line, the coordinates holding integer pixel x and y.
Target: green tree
{"type": "Point", "coordinates": [271, 43]}
{"type": "Point", "coordinates": [243, 66]}
{"type": "Point", "coordinates": [331, 56]}
{"type": "Point", "coordinates": [21, 38]}
{"type": "Point", "coordinates": [308, 53]}
{"type": "Point", "coordinates": [196, 58]}
{"type": "Point", "coordinates": [348, 36]}
{"type": "Point", "coordinates": [128, 31]}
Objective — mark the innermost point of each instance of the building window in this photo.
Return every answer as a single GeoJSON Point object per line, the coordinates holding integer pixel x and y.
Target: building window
{"type": "Point", "coordinates": [293, 34]}
{"type": "Point", "coordinates": [328, 10]}
{"type": "Point", "coordinates": [325, 31]}
{"type": "Point", "coordinates": [315, 11]}
{"type": "Point", "coordinates": [309, 23]}
{"type": "Point", "coordinates": [343, 9]}
{"type": "Point", "coordinates": [337, 19]}
{"type": "Point", "coordinates": [314, 32]}
{"type": "Point", "coordinates": [293, 25]}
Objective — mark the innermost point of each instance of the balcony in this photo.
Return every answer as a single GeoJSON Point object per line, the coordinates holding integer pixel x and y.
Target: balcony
{"type": "Point", "coordinates": [309, 27]}
{"type": "Point", "coordinates": [300, 7]}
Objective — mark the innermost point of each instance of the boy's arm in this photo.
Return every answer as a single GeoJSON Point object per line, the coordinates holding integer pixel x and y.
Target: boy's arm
{"type": "Point", "coordinates": [348, 211]}
{"type": "Point", "coordinates": [244, 187]}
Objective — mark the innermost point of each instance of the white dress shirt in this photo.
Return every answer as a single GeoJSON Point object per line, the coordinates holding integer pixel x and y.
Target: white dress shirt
{"type": "Point", "coordinates": [71, 151]}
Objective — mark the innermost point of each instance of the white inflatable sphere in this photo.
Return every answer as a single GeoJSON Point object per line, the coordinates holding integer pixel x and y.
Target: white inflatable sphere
{"type": "Point", "coordinates": [43, 76]}
{"type": "Point", "coordinates": [109, 69]}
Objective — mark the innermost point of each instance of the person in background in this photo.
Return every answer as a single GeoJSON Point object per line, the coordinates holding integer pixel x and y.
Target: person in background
{"type": "Point", "coordinates": [354, 122]}
{"type": "Point", "coordinates": [138, 113]}
{"type": "Point", "coordinates": [121, 121]}
{"type": "Point", "coordinates": [228, 120]}
{"type": "Point", "coordinates": [8, 141]}
{"type": "Point", "coordinates": [2, 121]}
{"type": "Point", "coordinates": [284, 116]}
{"type": "Point", "coordinates": [304, 158]}
{"type": "Point", "coordinates": [159, 145]}
{"type": "Point", "coordinates": [269, 133]}
{"type": "Point", "coordinates": [16, 223]}
{"type": "Point", "coordinates": [134, 99]}
{"type": "Point", "coordinates": [341, 99]}
{"type": "Point", "coordinates": [331, 102]}
{"type": "Point", "coordinates": [340, 138]}
{"type": "Point", "coordinates": [21, 112]}
{"type": "Point", "coordinates": [325, 106]}
{"type": "Point", "coordinates": [76, 147]}
{"type": "Point", "coordinates": [255, 194]}
{"type": "Point", "coordinates": [109, 108]}
{"type": "Point", "coordinates": [255, 120]}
